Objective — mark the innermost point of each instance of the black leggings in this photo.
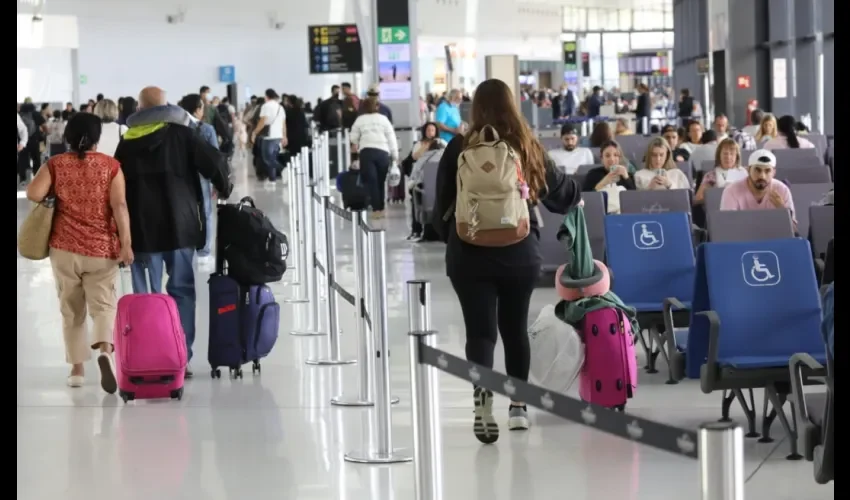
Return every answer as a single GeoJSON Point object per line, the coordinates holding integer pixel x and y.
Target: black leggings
{"type": "Point", "coordinates": [497, 306]}
{"type": "Point", "coordinates": [416, 203]}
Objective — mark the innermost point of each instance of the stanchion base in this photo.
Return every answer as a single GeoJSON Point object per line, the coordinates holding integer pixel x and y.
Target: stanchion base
{"type": "Point", "coordinates": [296, 300]}
{"type": "Point", "coordinates": [330, 362]}
{"type": "Point", "coordinates": [306, 333]}
{"type": "Point", "coordinates": [366, 457]}
{"type": "Point", "coordinates": [357, 402]}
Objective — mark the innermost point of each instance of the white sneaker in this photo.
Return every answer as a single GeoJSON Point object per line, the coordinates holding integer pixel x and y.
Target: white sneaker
{"type": "Point", "coordinates": [75, 381]}
{"type": "Point", "coordinates": [107, 373]}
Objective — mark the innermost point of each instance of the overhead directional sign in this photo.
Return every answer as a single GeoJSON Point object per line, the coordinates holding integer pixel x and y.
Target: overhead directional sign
{"type": "Point", "coordinates": [393, 34]}
{"type": "Point", "coordinates": [335, 49]}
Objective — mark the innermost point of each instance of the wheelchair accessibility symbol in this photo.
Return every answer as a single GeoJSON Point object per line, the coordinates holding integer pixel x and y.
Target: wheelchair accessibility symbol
{"type": "Point", "coordinates": [761, 268]}
{"type": "Point", "coordinates": [648, 235]}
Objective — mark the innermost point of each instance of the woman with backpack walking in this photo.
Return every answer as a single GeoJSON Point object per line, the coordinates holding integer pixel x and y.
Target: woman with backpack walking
{"type": "Point", "coordinates": [493, 254]}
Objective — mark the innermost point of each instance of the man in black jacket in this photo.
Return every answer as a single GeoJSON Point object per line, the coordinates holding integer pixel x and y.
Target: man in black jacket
{"type": "Point", "coordinates": [162, 158]}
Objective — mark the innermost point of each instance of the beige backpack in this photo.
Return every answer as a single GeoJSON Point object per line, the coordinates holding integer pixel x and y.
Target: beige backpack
{"type": "Point", "coordinates": [491, 208]}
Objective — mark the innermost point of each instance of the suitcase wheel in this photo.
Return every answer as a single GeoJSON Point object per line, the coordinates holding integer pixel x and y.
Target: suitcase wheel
{"type": "Point", "coordinates": [127, 396]}
{"type": "Point", "coordinates": [621, 408]}
{"type": "Point", "coordinates": [215, 373]}
{"type": "Point", "coordinates": [177, 394]}
{"type": "Point", "coordinates": [235, 373]}
{"type": "Point", "coordinates": [256, 369]}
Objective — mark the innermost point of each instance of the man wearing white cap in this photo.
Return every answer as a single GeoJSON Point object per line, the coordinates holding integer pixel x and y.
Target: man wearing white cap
{"type": "Point", "coordinates": [759, 191]}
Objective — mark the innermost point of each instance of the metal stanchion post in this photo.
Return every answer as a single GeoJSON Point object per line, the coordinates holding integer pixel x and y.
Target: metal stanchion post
{"type": "Point", "coordinates": [367, 343]}
{"type": "Point", "coordinates": [383, 452]}
{"type": "Point", "coordinates": [721, 461]}
{"type": "Point", "coordinates": [318, 184]}
{"type": "Point", "coordinates": [313, 326]}
{"type": "Point", "coordinates": [346, 151]}
{"type": "Point", "coordinates": [334, 356]}
{"type": "Point", "coordinates": [340, 150]}
{"type": "Point", "coordinates": [424, 386]}
{"type": "Point", "coordinates": [644, 125]}
{"type": "Point", "coordinates": [296, 211]}
{"type": "Point", "coordinates": [292, 263]}
{"type": "Point", "coordinates": [326, 157]}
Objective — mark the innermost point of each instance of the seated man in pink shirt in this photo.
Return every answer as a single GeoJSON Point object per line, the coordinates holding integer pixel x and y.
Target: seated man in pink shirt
{"type": "Point", "coordinates": [759, 191]}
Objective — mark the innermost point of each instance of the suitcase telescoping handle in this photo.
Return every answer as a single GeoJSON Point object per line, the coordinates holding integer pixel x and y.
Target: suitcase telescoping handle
{"type": "Point", "coordinates": [123, 271]}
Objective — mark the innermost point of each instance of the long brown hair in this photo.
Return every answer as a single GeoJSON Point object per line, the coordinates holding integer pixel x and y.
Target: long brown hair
{"type": "Point", "coordinates": [371, 105]}
{"type": "Point", "coordinates": [494, 105]}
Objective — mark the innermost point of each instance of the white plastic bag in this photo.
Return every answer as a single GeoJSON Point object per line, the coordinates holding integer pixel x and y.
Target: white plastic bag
{"type": "Point", "coordinates": [557, 352]}
{"type": "Point", "coordinates": [394, 176]}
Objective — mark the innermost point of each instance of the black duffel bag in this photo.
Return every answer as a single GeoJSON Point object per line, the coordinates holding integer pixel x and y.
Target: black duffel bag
{"type": "Point", "coordinates": [355, 194]}
{"type": "Point", "coordinates": [253, 249]}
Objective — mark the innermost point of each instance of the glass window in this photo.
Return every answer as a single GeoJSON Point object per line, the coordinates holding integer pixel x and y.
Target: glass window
{"type": "Point", "coordinates": [649, 20]}
{"type": "Point", "coordinates": [575, 19]}
{"type": "Point", "coordinates": [625, 16]}
{"type": "Point", "coordinates": [593, 19]}
{"type": "Point", "coordinates": [641, 40]}
{"type": "Point", "coordinates": [613, 44]}
{"type": "Point", "coordinates": [668, 39]}
{"type": "Point", "coordinates": [568, 37]}
{"type": "Point", "coordinates": [668, 20]}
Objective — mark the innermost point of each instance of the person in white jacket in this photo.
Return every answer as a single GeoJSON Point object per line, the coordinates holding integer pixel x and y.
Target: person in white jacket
{"type": "Point", "coordinates": [373, 136]}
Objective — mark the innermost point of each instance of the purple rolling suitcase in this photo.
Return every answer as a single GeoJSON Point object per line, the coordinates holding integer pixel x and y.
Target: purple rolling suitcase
{"type": "Point", "coordinates": [244, 323]}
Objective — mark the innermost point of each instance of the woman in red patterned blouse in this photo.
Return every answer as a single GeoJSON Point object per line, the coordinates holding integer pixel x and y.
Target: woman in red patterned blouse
{"type": "Point", "coordinates": [91, 234]}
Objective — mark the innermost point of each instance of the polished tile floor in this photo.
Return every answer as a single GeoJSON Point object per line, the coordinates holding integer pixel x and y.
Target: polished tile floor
{"type": "Point", "coordinates": [275, 436]}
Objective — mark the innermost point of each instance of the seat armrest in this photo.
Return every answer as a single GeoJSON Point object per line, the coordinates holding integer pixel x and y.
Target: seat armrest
{"type": "Point", "coordinates": [667, 307]}
{"type": "Point", "coordinates": [820, 265]}
{"type": "Point", "coordinates": [708, 381]}
{"type": "Point", "coordinates": [799, 363]}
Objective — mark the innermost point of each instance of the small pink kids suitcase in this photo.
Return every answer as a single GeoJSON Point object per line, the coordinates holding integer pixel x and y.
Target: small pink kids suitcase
{"type": "Point", "coordinates": [150, 347]}
{"type": "Point", "coordinates": [609, 375]}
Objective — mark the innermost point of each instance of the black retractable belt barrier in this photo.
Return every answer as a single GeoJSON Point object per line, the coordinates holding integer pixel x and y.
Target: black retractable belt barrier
{"type": "Point", "coordinates": [662, 436]}
{"type": "Point", "coordinates": [335, 286]}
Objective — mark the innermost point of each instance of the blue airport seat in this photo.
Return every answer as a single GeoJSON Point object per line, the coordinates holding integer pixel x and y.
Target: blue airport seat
{"type": "Point", "coordinates": [651, 258]}
{"type": "Point", "coordinates": [755, 305]}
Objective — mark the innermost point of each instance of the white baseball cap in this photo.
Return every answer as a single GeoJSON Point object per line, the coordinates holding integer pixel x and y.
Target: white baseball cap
{"type": "Point", "coordinates": [762, 157]}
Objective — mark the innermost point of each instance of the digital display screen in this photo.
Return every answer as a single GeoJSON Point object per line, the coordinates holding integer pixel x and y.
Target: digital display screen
{"type": "Point", "coordinates": [335, 49]}
{"type": "Point", "coordinates": [645, 64]}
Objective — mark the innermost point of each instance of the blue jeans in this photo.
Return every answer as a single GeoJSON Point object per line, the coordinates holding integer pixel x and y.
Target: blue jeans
{"type": "Point", "coordinates": [269, 150]}
{"type": "Point", "coordinates": [206, 188]}
{"type": "Point", "coordinates": [180, 285]}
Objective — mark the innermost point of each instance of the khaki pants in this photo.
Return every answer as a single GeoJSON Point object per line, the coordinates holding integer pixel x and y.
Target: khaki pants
{"type": "Point", "coordinates": [84, 284]}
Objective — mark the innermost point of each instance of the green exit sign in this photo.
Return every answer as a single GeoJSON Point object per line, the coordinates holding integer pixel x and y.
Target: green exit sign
{"type": "Point", "coordinates": [393, 34]}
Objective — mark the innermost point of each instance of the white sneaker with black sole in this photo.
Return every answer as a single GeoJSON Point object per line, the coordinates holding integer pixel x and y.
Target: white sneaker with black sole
{"type": "Point", "coordinates": [518, 418]}
{"type": "Point", "coordinates": [485, 427]}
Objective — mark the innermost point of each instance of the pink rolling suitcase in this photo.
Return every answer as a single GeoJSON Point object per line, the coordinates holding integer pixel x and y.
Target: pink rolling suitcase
{"type": "Point", "coordinates": [609, 375]}
{"type": "Point", "coordinates": [150, 347]}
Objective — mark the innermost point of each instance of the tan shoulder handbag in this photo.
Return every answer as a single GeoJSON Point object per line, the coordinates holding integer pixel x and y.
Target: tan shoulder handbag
{"type": "Point", "coordinates": [34, 236]}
